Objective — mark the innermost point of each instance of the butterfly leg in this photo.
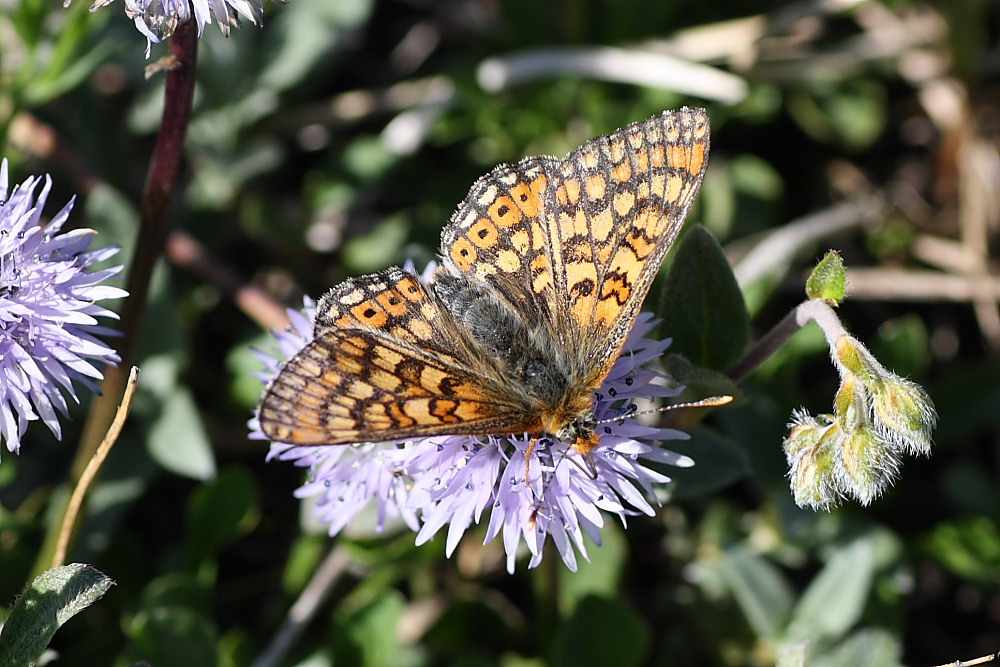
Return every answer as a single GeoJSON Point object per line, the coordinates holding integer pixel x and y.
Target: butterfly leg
{"type": "Point", "coordinates": [527, 460]}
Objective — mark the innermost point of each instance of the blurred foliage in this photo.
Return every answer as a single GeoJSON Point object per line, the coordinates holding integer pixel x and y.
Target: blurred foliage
{"type": "Point", "coordinates": [340, 137]}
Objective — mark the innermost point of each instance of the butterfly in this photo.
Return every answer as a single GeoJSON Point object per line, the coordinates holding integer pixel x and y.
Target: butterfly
{"type": "Point", "coordinates": [544, 268]}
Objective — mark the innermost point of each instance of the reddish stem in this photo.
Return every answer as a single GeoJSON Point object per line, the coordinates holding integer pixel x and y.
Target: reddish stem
{"type": "Point", "coordinates": [160, 181]}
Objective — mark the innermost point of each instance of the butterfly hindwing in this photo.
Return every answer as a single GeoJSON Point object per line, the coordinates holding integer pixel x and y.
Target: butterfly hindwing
{"type": "Point", "coordinates": [386, 363]}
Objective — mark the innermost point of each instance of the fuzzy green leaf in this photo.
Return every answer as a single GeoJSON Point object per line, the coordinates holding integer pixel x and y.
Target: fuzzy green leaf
{"type": "Point", "coordinates": [585, 639]}
{"type": "Point", "coordinates": [54, 597]}
{"type": "Point", "coordinates": [836, 597]}
{"type": "Point", "coordinates": [702, 306]}
{"type": "Point", "coordinates": [760, 590]}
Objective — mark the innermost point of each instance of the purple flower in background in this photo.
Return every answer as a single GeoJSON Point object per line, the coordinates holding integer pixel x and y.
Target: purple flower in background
{"type": "Point", "coordinates": [456, 481]}
{"type": "Point", "coordinates": [157, 19]}
{"type": "Point", "coordinates": [48, 310]}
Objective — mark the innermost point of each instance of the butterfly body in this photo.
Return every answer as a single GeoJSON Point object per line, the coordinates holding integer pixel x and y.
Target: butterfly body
{"type": "Point", "coordinates": [544, 268]}
{"type": "Point", "coordinates": [532, 363]}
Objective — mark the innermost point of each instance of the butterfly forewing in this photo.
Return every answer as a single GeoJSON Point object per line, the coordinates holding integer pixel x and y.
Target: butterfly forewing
{"type": "Point", "coordinates": [575, 243]}
{"type": "Point", "coordinates": [621, 202]}
{"type": "Point", "coordinates": [501, 235]}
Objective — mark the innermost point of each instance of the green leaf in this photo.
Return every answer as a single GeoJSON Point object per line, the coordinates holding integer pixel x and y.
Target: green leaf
{"type": "Point", "coordinates": [868, 648]}
{"type": "Point", "coordinates": [304, 557]}
{"type": "Point", "coordinates": [59, 78]}
{"type": "Point", "coordinates": [836, 597]}
{"type": "Point", "coordinates": [700, 383]}
{"type": "Point", "coordinates": [969, 547]}
{"type": "Point", "coordinates": [368, 637]}
{"type": "Point", "coordinates": [172, 625]}
{"type": "Point", "coordinates": [172, 636]}
{"type": "Point", "coordinates": [701, 305]}
{"type": "Point", "coordinates": [469, 626]}
{"type": "Point", "coordinates": [600, 575]}
{"type": "Point", "coordinates": [176, 589]}
{"type": "Point", "coordinates": [221, 511]}
{"type": "Point", "coordinates": [54, 597]}
{"type": "Point", "coordinates": [742, 194]}
{"type": "Point", "coordinates": [828, 280]}
{"type": "Point", "coordinates": [368, 158]}
{"type": "Point", "coordinates": [718, 462]}
{"type": "Point", "coordinates": [115, 218]}
{"type": "Point", "coordinates": [602, 631]}
{"type": "Point", "coordinates": [379, 248]}
{"type": "Point", "coordinates": [759, 589]}
{"type": "Point", "coordinates": [848, 112]}
{"type": "Point", "coordinates": [241, 361]}
{"type": "Point", "coordinates": [28, 20]}
{"type": "Point", "coordinates": [239, 646]}
{"type": "Point", "coordinates": [305, 36]}
{"type": "Point", "coordinates": [177, 440]}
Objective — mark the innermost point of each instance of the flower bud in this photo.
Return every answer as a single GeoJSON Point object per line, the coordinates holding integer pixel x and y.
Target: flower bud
{"type": "Point", "coordinates": [904, 415]}
{"type": "Point", "coordinates": [811, 448]}
{"type": "Point", "coordinates": [902, 412]}
{"type": "Point", "coordinates": [865, 465]}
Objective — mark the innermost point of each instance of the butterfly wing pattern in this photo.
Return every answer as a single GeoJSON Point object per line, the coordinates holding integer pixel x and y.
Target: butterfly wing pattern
{"type": "Point", "coordinates": [544, 268]}
{"type": "Point", "coordinates": [577, 242]}
{"type": "Point", "coordinates": [386, 363]}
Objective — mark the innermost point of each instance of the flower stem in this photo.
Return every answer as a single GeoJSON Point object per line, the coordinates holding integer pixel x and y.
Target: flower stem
{"type": "Point", "coordinates": [326, 576]}
{"type": "Point", "coordinates": [813, 310]}
{"type": "Point", "coordinates": [160, 181]}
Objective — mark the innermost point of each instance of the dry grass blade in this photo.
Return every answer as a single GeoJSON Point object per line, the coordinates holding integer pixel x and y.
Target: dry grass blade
{"type": "Point", "coordinates": [90, 471]}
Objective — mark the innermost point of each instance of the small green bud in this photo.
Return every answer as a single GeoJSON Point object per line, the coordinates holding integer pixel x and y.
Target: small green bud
{"type": "Point", "coordinates": [804, 433]}
{"type": "Point", "coordinates": [828, 280]}
{"type": "Point", "coordinates": [851, 403]}
{"type": "Point", "coordinates": [857, 359]}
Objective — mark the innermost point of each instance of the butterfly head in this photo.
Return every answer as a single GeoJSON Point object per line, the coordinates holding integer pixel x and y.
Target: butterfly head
{"type": "Point", "coordinates": [580, 432]}
{"type": "Point", "coordinates": [572, 423]}
{"type": "Point", "coordinates": [569, 415]}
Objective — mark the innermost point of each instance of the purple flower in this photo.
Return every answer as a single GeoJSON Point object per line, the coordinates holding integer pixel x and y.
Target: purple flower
{"type": "Point", "coordinates": [458, 481]}
{"type": "Point", "coordinates": [157, 19]}
{"type": "Point", "coordinates": [48, 310]}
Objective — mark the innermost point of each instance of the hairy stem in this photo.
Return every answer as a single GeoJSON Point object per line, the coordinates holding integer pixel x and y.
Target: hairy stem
{"type": "Point", "coordinates": [813, 310]}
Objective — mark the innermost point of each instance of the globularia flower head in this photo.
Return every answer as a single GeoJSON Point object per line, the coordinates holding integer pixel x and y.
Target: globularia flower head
{"type": "Point", "coordinates": [157, 19]}
{"type": "Point", "coordinates": [456, 481]}
{"type": "Point", "coordinates": [48, 310]}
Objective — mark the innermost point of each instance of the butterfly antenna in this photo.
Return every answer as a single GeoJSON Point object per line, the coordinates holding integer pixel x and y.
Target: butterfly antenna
{"type": "Point", "coordinates": [710, 402]}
